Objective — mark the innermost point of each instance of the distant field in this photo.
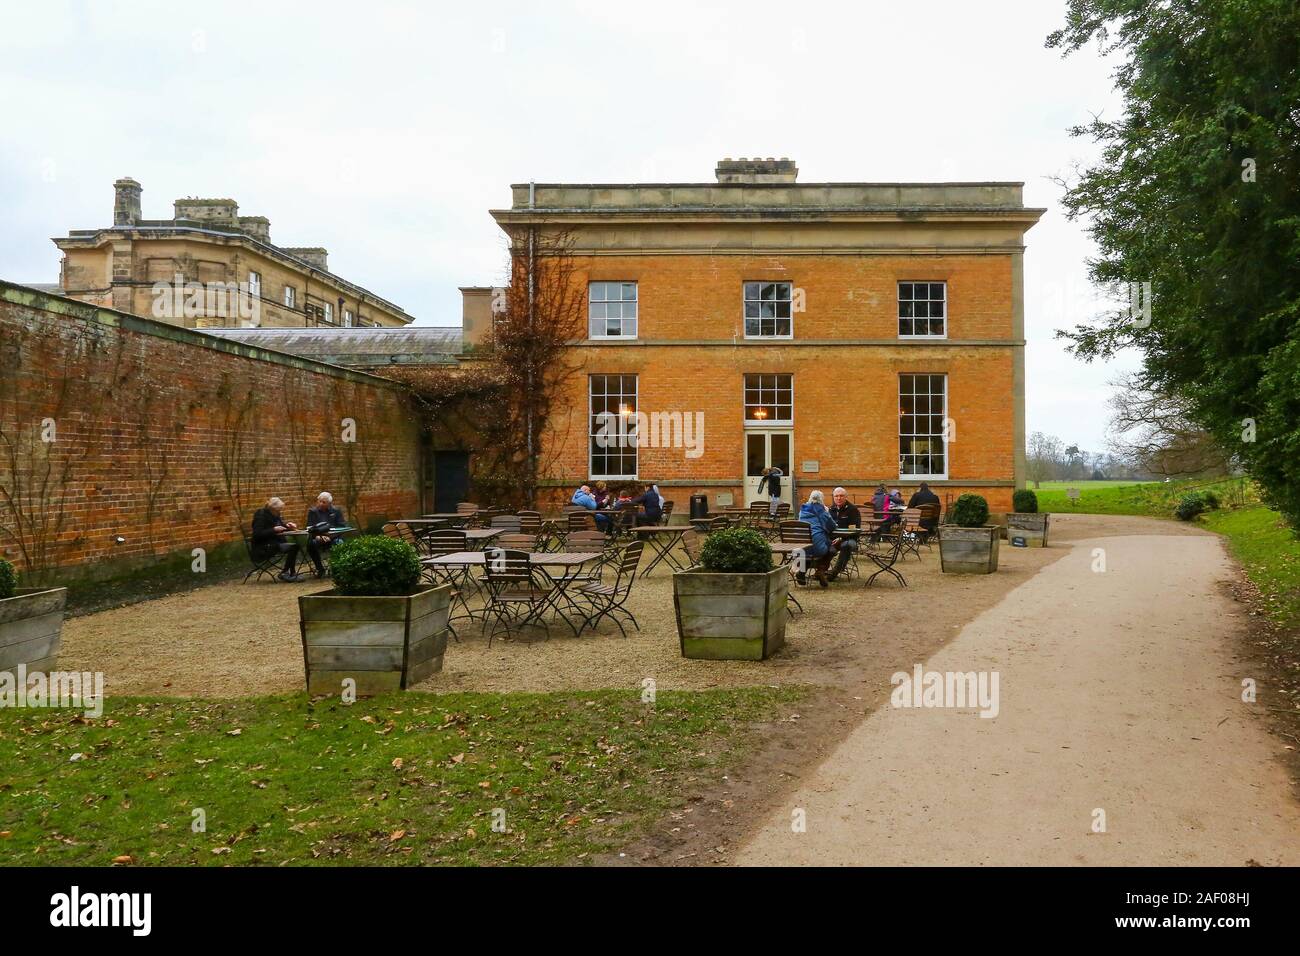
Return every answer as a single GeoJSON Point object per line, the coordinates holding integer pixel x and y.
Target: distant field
{"type": "Point", "coordinates": [1154, 498]}
{"type": "Point", "coordinates": [1081, 485]}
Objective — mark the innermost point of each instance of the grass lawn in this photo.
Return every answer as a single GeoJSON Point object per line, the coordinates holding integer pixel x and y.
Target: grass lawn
{"type": "Point", "coordinates": [401, 779]}
{"type": "Point", "coordinates": [1090, 485]}
{"type": "Point", "coordinates": [1154, 498]}
{"type": "Point", "coordinates": [1269, 552]}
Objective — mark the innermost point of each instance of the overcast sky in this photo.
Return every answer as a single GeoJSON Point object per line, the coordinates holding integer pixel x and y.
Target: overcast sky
{"type": "Point", "coordinates": [385, 132]}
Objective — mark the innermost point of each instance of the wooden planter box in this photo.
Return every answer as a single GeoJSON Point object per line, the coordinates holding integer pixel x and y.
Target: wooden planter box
{"type": "Point", "coordinates": [1030, 526]}
{"type": "Point", "coordinates": [968, 550]}
{"type": "Point", "coordinates": [31, 624]}
{"type": "Point", "coordinates": [731, 617]}
{"type": "Point", "coordinates": [382, 643]}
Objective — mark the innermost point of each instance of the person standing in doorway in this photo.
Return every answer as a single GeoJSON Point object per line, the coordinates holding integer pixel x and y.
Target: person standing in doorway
{"type": "Point", "coordinates": [772, 481]}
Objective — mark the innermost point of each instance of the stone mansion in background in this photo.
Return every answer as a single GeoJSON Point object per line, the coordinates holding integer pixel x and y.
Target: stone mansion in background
{"type": "Point", "coordinates": [208, 242]}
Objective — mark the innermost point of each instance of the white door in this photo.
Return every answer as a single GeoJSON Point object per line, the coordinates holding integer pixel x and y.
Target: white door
{"type": "Point", "coordinates": [767, 448]}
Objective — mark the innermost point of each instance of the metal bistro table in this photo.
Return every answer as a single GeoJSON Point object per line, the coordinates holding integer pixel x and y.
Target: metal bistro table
{"type": "Point", "coordinates": [662, 538]}
{"type": "Point", "coordinates": [568, 563]}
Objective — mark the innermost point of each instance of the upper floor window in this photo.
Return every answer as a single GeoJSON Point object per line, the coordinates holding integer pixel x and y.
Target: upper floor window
{"type": "Point", "coordinates": [254, 283]}
{"type": "Point", "coordinates": [290, 296]}
{"type": "Point", "coordinates": [347, 318]}
{"type": "Point", "coordinates": [767, 309]}
{"type": "Point", "coordinates": [328, 308]}
{"type": "Point", "coordinates": [769, 399]}
{"type": "Point", "coordinates": [922, 309]}
{"type": "Point", "coordinates": [611, 310]}
{"type": "Point", "coordinates": [922, 433]}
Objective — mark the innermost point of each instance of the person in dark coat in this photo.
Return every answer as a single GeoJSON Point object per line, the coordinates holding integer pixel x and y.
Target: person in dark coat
{"type": "Point", "coordinates": [268, 538]}
{"type": "Point", "coordinates": [652, 504]}
{"type": "Point", "coordinates": [924, 496]}
{"type": "Point", "coordinates": [320, 518]}
{"type": "Point", "coordinates": [846, 515]}
{"type": "Point", "coordinates": [772, 481]}
{"type": "Point", "coordinates": [821, 524]}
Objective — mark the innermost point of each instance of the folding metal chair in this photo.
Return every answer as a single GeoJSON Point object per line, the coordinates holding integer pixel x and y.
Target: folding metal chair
{"type": "Point", "coordinates": [609, 600]}
{"type": "Point", "coordinates": [515, 595]}
{"type": "Point", "coordinates": [272, 564]}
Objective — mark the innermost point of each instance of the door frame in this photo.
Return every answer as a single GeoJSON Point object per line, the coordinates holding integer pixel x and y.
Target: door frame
{"type": "Point", "coordinates": [750, 483]}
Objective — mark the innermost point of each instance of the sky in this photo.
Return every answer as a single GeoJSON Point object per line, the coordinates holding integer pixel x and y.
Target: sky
{"type": "Point", "coordinates": [386, 131]}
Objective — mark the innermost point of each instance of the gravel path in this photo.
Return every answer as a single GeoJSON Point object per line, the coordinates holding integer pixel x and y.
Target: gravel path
{"type": "Point", "coordinates": [1119, 692]}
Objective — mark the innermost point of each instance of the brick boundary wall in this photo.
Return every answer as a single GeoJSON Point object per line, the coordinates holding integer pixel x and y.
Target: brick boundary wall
{"type": "Point", "coordinates": [170, 438]}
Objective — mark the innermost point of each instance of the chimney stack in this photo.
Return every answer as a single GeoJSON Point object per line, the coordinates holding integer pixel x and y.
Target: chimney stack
{"type": "Point", "coordinates": [126, 202]}
{"type": "Point", "coordinates": [756, 170]}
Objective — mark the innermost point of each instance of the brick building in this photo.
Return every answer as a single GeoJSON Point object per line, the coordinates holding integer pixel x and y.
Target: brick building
{"type": "Point", "coordinates": [848, 333]}
{"type": "Point", "coordinates": [210, 267]}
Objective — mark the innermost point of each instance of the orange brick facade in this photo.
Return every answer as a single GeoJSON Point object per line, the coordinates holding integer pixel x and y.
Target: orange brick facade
{"type": "Point", "coordinates": [844, 357]}
{"type": "Point", "coordinates": [169, 439]}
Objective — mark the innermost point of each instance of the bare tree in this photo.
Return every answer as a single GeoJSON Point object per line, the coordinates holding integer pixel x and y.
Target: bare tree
{"type": "Point", "coordinates": [1043, 458]}
{"type": "Point", "coordinates": [1154, 431]}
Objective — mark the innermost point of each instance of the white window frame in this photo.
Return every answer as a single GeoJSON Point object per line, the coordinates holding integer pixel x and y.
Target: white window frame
{"type": "Point", "coordinates": [898, 295]}
{"type": "Point", "coordinates": [290, 297]}
{"type": "Point", "coordinates": [592, 426]}
{"type": "Point", "coordinates": [623, 319]}
{"type": "Point", "coordinates": [943, 417]}
{"type": "Point", "coordinates": [254, 283]}
{"type": "Point", "coordinates": [766, 422]}
{"type": "Point", "coordinates": [745, 300]}
{"type": "Point", "coordinates": [328, 310]}
{"type": "Point", "coordinates": [348, 318]}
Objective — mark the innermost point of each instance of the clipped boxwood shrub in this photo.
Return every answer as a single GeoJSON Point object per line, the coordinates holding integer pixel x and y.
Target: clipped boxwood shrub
{"type": "Point", "coordinates": [1024, 502]}
{"type": "Point", "coordinates": [8, 580]}
{"type": "Point", "coordinates": [736, 551]}
{"type": "Point", "coordinates": [1189, 507]}
{"type": "Point", "coordinates": [969, 511]}
{"type": "Point", "coordinates": [375, 566]}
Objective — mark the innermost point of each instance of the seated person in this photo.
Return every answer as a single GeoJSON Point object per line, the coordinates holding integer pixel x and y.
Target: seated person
{"type": "Point", "coordinates": [601, 494]}
{"type": "Point", "coordinates": [814, 514]}
{"type": "Point", "coordinates": [846, 515]}
{"type": "Point", "coordinates": [924, 496]}
{"type": "Point", "coordinates": [320, 518]}
{"type": "Point", "coordinates": [583, 498]}
{"type": "Point", "coordinates": [882, 504]}
{"type": "Point", "coordinates": [268, 538]}
{"type": "Point", "coordinates": [652, 504]}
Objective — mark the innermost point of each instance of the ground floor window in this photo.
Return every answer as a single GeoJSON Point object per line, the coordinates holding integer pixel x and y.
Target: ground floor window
{"type": "Point", "coordinates": [922, 411]}
{"type": "Point", "coordinates": [612, 426]}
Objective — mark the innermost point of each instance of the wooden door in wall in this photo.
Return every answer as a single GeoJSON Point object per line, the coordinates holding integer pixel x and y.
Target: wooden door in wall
{"type": "Point", "coordinates": [768, 448]}
{"type": "Point", "coordinates": [450, 479]}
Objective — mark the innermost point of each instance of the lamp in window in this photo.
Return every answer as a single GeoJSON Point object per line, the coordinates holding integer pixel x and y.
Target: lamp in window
{"type": "Point", "coordinates": [625, 410]}
{"type": "Point", "coordinates": [760, 413]}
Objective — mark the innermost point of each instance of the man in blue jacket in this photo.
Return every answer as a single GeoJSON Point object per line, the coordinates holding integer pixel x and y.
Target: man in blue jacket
{"type": "Point", "coordinates": [585, 499]}
{"type": "Point", "coordinates": [814, 514]}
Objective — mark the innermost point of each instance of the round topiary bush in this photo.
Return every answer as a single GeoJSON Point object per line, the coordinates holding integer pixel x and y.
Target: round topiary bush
{"type": "Point", "coordinates": [736, 551]}
{"type": "Point", "coordinates": [1189, 507]}
{"type": "Point", "coordinates": [8, 580]}
{"type": "Point", "coordinates": [375, 566]}
{"type": "Point", "coordinates": [969, 511]}
{"type": "Point", "coordinates": [1024, 502]}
